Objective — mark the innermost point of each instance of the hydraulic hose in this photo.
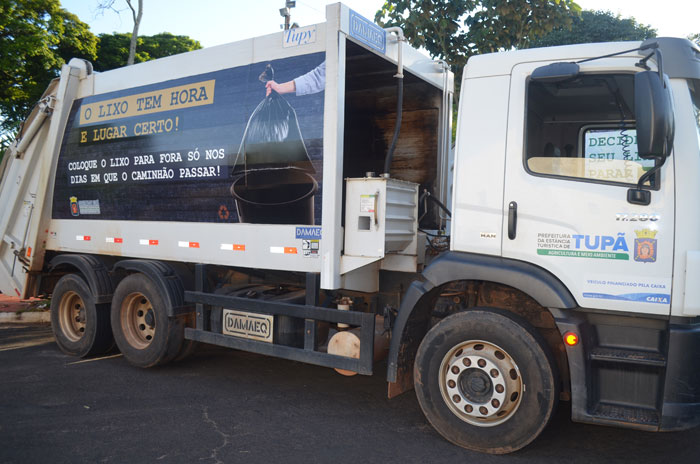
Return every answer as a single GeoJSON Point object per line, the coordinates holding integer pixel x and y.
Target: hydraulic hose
{"type": "Point", "coordinates": [397, 128]}
{"type": "Point", "coordinates": [426, 195]}
{"type": "Point", "coordinates": [399, 100]}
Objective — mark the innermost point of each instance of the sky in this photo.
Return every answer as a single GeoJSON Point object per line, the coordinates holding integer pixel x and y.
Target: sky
{"type": "Point", "coordinates": [215, 22]}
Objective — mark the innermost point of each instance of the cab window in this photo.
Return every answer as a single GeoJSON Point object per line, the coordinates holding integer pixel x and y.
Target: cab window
{"type": "Point", "coordinates": [584, 129]}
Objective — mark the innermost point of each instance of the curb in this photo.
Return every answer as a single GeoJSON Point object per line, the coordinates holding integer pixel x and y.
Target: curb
{"type": "Point", "coordinates": [26, 317]}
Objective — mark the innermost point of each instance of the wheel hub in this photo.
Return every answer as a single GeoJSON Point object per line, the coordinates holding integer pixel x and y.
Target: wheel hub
{"type": "Point", "coordinates": [480, 383]}
{"type": "Point", "coordinates": [475, 385]}
{"type": "Point", "coordinates": [150, 318]}
{"type": "Point", "coordinates": [138, 320]}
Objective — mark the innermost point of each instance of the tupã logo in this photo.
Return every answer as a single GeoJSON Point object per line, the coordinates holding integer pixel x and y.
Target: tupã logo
{"type": "Point", "coordinates": [645, 246]}
{"type": "Point", "coordinates": [74, 210]}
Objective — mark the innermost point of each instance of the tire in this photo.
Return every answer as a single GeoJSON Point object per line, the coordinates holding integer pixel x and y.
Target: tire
{"type": "Point", "coordinates": [189, 347]}
{"type": "Point", "coordinates": [486, 380]}
{"type": "Point", "coordinates": [80, 326]}
{"type": "Point", "coordinates": [144, 333]}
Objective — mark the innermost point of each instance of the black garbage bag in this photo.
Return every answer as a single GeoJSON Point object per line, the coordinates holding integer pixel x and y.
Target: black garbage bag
{"type": "Point", "coordinates": [272, 138]}
{"type": "Point", "coordinates": [273, 182]}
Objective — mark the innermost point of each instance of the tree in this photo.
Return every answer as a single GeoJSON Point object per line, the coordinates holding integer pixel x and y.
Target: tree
{"type": "Point", "coordinates": [596, 26]}
{"type": "Point", "coordinates": [454, 30]}
{"type": "Point", "coordinates": [113, 49]}
{"type": "Point", "coordinates": [36, 38]}
{"type": "Point", "coordinates": [695, 38]}
{"type": "Point", "coordinates": [136, 15]}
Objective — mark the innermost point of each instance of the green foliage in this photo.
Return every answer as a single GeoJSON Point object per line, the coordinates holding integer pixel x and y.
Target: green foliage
{"type": "Point", "coordinates": [596, 26]}
{"type": "Point", "coordinates": [36, 38]}
{"type": "Point", "coordinates": [454, 30]}
{"type": "Point", "coordinates": [113, 49]}
{"type": "Point", "coordinates": [695, 38]}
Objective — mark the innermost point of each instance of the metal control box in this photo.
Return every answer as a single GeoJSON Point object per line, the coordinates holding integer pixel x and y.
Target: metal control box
{"type": "Point", "coordinates": [381, 216]}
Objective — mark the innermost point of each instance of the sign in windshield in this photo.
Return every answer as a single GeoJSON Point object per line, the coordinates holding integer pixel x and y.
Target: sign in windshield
{"type": "Point", "coordinates": [611, 154]}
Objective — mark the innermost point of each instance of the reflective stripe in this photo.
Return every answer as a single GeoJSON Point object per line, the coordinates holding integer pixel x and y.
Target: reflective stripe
{"type": "Point", "coordinates": [284, 250]}
{"type": "Point", "coordinates": [232, 247]}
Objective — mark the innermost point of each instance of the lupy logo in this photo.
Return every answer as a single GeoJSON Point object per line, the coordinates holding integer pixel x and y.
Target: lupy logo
{"type": "Point", "coordinates": [299, 36]}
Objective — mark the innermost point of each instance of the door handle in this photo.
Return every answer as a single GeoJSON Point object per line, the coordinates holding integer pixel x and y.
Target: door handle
{"type": "Point", "coordinates": [512, 219]}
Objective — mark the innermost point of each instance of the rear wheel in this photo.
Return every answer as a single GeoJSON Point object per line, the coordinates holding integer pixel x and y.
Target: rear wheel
{"type": "Point", "coordinates": [486, 380]}
{"type": "Point", "coordinates": [142, 329]}
{"type": "Point", "coordinates": [80, 326]}
{"type": "Point", "coordinates": [189, 347]}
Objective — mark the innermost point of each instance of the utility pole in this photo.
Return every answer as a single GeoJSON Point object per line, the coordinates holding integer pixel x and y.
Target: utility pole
{"type": "Point", "coordinates": [285, 12]}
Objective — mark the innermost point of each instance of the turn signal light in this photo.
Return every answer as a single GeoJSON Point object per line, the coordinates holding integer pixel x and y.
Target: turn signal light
{"type": "Point", "coordinates": [571, 339]}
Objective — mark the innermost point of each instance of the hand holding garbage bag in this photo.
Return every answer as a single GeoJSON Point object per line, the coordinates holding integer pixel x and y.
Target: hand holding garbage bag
{"type": "Point", "coordinates": [285, 87]}
{"type": "Point", "coordinates": [272, 137]}
{"type": "Point", "coordinates": [274, 185]}
{"type": "Point", "coordinates": [312, 82]}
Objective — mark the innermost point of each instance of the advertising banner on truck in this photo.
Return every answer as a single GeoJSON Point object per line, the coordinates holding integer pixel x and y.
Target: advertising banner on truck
{"type": "Point", "coordinates": [215, 147]}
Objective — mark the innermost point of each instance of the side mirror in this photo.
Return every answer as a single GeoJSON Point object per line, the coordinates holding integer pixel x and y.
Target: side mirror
{"type": "Point", "coordinates": [654, 114]}
{"type": "Point", "coordinates": [653, 111]}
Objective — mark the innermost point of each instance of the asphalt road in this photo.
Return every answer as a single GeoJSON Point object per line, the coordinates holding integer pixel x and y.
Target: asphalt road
{"type": "Point", "coordinates": [224, 406]}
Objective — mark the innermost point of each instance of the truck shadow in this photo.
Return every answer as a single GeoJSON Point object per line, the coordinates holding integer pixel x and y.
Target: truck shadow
{"type": "Point", "coordinates": [322, 403]}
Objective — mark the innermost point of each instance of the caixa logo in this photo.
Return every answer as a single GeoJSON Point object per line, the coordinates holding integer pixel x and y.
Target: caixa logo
{"type": "Point", "coordinates": [601, 242]}
{"type": "Point", "coordinates": [657, 299]}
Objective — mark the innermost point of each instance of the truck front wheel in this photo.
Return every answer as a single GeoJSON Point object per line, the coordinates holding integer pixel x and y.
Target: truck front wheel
{"type": "Point", "coordinates": [142, 329]}
{"type": "Point", "coordinates": [486, 380]}
{"type": "Point", "coordinates": [80, 326]}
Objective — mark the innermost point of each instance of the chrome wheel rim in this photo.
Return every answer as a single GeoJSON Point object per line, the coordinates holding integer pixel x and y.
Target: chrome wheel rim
{"type": "Point", "coordinates": [480, 383]}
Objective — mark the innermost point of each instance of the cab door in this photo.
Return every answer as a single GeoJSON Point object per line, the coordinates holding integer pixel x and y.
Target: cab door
{"type": "Point", "coordinates": [571, 157]}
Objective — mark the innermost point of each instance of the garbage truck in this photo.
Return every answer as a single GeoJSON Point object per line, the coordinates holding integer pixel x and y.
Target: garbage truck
{"type": "Point", "coordinates": [297, 195]}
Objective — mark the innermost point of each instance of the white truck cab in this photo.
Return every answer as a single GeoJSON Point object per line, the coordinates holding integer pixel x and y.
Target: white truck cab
{"type": "Point", "coordinates": [555, 202]}
{"type": "Point", "coordinates": [566, 154]}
